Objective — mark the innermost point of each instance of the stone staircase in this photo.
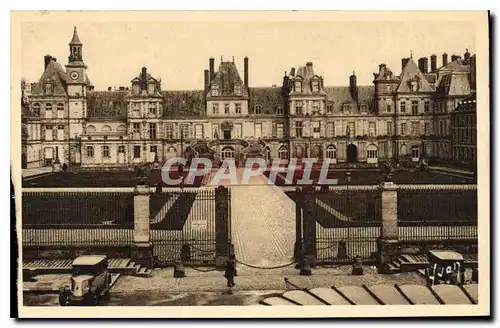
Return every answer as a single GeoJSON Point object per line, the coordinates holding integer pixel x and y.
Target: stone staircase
{"type": "Point", "coordinates": [115, 265]}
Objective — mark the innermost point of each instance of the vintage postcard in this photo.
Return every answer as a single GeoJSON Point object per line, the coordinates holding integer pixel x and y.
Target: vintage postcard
{"type": "Point", "coordinates": [248, 164]}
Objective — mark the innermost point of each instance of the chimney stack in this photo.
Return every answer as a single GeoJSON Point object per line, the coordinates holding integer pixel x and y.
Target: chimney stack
{"type": "Point", "coordinates": [381, 67]}
{"type": "Point", "coordinates": [353, 86]}
{"type": "Point", "coordinates": [422, 65]}
{"type": "Point", "coordinates": [207, 79]}
{"type": "Point", "coordinates": [445, 59]}
{"type": "Point", "coordinates": [292, 71]}
{"type": "Point", "coordinates": [433, 63]}
{"type": "Point", "coordinates": [246, 71]}
{"type": "Point", "coordinates": [211, 66]}
{"type": "Point", "coordinates": [46, 60]}
{"type": "Point", "coordinates": [454, 57]}
{"type": "Point", "coordinates": [144, 77]}
{"type": "Point", "coordinates": [467, 54]}
{"type": "Point", "coordinates": [404, 61]}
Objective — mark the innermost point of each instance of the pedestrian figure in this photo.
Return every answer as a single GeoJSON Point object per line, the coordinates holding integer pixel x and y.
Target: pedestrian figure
{"type": "Point", "coordinates": [230, 272]}
{"type": "Point", "coordinates": [158, 188]}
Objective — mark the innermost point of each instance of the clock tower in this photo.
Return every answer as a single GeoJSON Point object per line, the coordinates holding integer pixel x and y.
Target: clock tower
{"type": "Point", "coordinates": [77, 88]}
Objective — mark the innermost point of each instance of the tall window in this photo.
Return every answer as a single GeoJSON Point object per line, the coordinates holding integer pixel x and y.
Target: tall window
{"type": "Point", "coordinates": [105, 151]}
{"type": "Point", "coordinates": [330, 130]}
{"type": "Point", "coordinates": [36, 109]}
{"type": "Point", "coordinates": [427, 129]}
{"type": "Point", "coordinates": [48, 107]}
{"type": "Point", "coordinates": [389, 128]}
{"type": "Point", "coordinates": [346, 108]}
{"type": "Point", "coordinates": [331, 152]}
{"type": "Point", "coordinates": [137, 130]}
{"type": "Point", "coordinates": [415, 128]}
{"type": "Point", "coordinates": [283, 152]}
{"type": "Point", "coordinates": [49, 87]}
{"type": "Point", "coordinates": [257, 109]}
{"type": "Point", "coordinates": [329, 108]}
{"type": "Point", "coordinates": [137, 151]}
{"type": "Point", "coordinates": [279, 130]}
{"type": "Point", "coordinates": [152, 130]}
{"type": "Point", "coordinates": [169, 131]}
{"type": "Point", "coordinates": [48, 132]}
{"type": "Point", "coordinates": [215, 108]}
{"type": "Point", "coordinates": [215, 91]}
{"type": "Point", "coordinates": [152, 108]}
{"type": "Point", "coordinates": [60, 132]}
{"type": "Point", "coordinates": [238, 108]}
{"type": "Point", "coordinates": [298, 108]}
{"type": "Point", "coordinates": [414, 107]}
{"type": "Point", "coordinates": [298, 86]}
{"type": "Point", "coordinates": [90, 151]}
{"type": "Point", "coordinates": [279, 109]}
{"type": "Point", "coordinates": [388, 108]}
{"type": "Point", "coordinates": [199, 131]}
{"type": "Point", "coordinates": [184, 129]}
{"type": "Point", "coordinates": [315, 107]}
{"type": "Point", "coordinates": [364, 108]}
{"type": "Point", "coordinates": [402, 107]}
{"type": "Point", "coordinates": [427, 106]}
{"type": "Point", "coordinates": [298, 129]}
{"type": "Point", "coordinates": [415, 151]}
{"type": "Point", "coordinates": [226, 108]}
{"type": "Point", "coordinates": [258, 130]}
{"type": "Point", "coordinates": [403, 129]}
{"type": "Point", "coordinates": [121, 149]}
{"type": "Point", "coordinates": [372, 152]}
{"type": "Point", "coordinates": [372, 129]}
{"type": "Point", "coordinates": [237, 90]}
{"type": "Point", "coordinates": [315, 86]}
{"type": "Point", "coordinates": [60, 110]}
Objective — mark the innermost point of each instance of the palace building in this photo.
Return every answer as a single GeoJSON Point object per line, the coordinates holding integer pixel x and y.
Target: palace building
{"type": "Point", "coordinates": [405, 117]}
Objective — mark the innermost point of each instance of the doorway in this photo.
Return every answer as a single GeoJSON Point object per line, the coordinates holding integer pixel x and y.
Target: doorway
{"type": "Point", "coordinates": [227, 134]}
{"type": "Point", "coordinates": [352, 153]}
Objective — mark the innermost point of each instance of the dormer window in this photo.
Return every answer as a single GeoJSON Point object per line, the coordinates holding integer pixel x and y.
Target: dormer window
{"type": "Point", "coordinates": [315, 86]}
{"type": "Point", "coordinates": [237, 90]}
{"type": "Point", "coordinates": [151, 88]}
{"type": "Point", "coordinates": [329, 108]}
{"type": "Point", "coordinates": [49, 87]}
{"type": "Point", "coordinates": [346, 108]}
{"type": "Point", "coordinates": [135, 89]}
{"type": "Point", "coordinates": [298, 86]}
{"type": "Point", "coordinates": [36, 109]}
{"type": "Point", "coordinates": [279, 109]}
{"type": "Point", "coordinates": [215, 109]}
{"type": "Point", "coordinates": [364, 108]}
{"type": "Point", "coordinates": [257, 109]}
{"type": "Point", "coordinates": [215, 90]}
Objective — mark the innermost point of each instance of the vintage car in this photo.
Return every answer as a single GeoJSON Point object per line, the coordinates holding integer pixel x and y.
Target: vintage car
{"type": "Point", "coordinates": [90, 281]}
{"type": "Point", "coordinates": [445, 267]}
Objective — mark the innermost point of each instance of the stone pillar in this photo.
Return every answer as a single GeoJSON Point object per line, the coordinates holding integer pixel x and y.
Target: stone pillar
{"type": "Point", "coordinates": [223, 246]}
{"type": "Point", "coordinates": [389, 235]}
{"type": "Point", "coordinates": [309, 224]}
{"type": "Point", "coordinates": [298, 247]}
{"type": "Point", "coordinates": [142, 250]}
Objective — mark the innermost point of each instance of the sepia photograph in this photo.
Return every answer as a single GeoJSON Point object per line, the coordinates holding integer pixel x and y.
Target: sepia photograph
{"type": "Point", "coordinates": [247, 164]}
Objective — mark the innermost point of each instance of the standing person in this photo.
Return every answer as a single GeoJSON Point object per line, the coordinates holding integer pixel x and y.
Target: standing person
{"type": "Point", "coordinates": [230, 272]}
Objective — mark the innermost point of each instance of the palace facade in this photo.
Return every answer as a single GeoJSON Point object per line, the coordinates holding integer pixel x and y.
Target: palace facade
{"type": "Point", "coordinates": [402, 116]}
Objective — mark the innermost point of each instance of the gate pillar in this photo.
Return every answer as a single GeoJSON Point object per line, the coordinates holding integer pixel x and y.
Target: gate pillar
{"type": "Point", "coordinates": [142, 251]}
{"type": "Point", "coordinates": [388, 245]}
{"type": "Point", "coordinates": [309, 224]}
{"type": "Point", "coordinates": [223, 246]}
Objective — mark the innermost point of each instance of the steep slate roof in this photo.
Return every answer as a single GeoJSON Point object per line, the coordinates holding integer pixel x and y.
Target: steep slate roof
{"type": "Point", "coordinates": [75, 40]}
{"type": "Point", "coordinates": [307, 74]}
{"type": "Point", "coordinates": [107, 104]}
{"type": "Point", "coordinates": [385, 74]}
{"type": "Point", "coordinates": [454, 85]}
{"type": "Point", "coordinates": [54, 73]}
{"type": "Point", "coordinates": [342, 95]}
{"type": "Point", "coordinates": [458, 65]}
{"type": "Point", "coordinates": [268, 98]}
{"type": "Point", "coordinates": [227, 77]}
{"type": "Point", "coordinates": [410, 72]}
{"type": "Point", "coordinates": [183, 103]}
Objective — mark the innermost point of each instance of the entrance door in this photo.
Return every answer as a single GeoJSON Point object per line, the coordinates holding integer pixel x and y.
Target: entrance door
{"type": "Point", "coordinates": [352, 153]}
{"type": "Point", "coordinates": [227, 134]}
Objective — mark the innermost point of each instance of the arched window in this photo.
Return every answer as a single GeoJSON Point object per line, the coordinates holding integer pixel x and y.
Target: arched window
{"type": "Point", "coordinates": [60, 106]}
{"type": "Point", "coordinates": [48, 106]}
{"type": "Point", "coordinates": [36, 109]}
{"type": "Point", "coordinates": [283, 152]}
{"type": "Point", "coordinates": [371, 151]}
{"type": "Point", "coordinates": [121, 128]}
{"type": "Point", "coordinates": [106, 128]}
{"type": "Point", "coordinates": [415, 152]}
{"type": "Point", "coordinates": [227, 152]}
{"type": "Point", "coordinates": [90, 128]}
{"type": "Point", "coordinates": [331, 152]}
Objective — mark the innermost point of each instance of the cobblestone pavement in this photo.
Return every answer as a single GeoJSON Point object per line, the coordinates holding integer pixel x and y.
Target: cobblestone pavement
{"type": "Point", "coordinates": [263, 224]}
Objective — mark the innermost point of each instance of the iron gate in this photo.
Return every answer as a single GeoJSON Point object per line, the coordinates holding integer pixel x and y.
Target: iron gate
{"type": "Point", "coordinates": [190, 225]}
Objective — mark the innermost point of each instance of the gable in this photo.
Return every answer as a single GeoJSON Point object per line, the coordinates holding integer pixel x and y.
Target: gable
{"type": "Point", "coordinates": [413, 80]}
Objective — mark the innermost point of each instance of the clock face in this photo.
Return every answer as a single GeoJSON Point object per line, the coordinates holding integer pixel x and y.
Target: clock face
{"type": "Point", "coordinates": [74, 75]}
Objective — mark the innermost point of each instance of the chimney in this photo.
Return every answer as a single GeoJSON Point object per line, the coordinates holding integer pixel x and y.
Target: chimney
{"type": "Point", "coordinates": [467, 54]}
{"type": "Point", "coordinates": [292, 71]}
{"type": "Point", "coordinates": [404, 61]}
{"type": "Point", "coordinates": [46, 60]}
{"type": "Point", "coordinates": [144, 77]}
{"type": "Point", "coordinates": [109, 88]}
{"type": "Point", "coordinates": [211, 65]}
{"type": "Point", "coordinates": [246, 71]}
{"type": "Point", "coordinates": [454, 57]}
{"type": "Point", "coordinates": [422, 65]}
{"type": "Point", "coordinates": [381, 67]}
{"type": "Point", "coordinates": [433, 63]}
{"type": "Point", "coordinates": [207, 79]}
{"type": "Point", "coordinates": [353, 86]}
{"type": "Point", "coordinates": [445, 59]}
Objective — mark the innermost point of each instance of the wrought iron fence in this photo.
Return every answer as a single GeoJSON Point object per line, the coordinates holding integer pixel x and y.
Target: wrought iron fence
{"type": "Point", "coordinates": [62, 218]}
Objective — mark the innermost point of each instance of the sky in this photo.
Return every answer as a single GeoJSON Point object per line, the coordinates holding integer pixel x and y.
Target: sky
{"type": "Point", "coordinates": [177, 52]}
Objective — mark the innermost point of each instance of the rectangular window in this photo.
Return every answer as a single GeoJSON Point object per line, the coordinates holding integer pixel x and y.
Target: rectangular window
{"type": "Point", "coordinates": [372, 129]}
{"type": "Point", "coordinates": [315, 86]}
{"type": "Point", "coordinates": [389, 128]}
{"type": "Point", "coordinates": [238, 108]}
{"type": "Point", "coordinates": [215, 109]}
{"type": "Point", "coordinates": [298, 108]}
{"type": "Point", "coordinates": [258, 130]}
{"type": "Point", "coordinates": [403, 129]}
{"type": "Point", "coordinates": [427, 129]}
{"type": "Point", "coordinates": [184, 131]}
{"type": "Point", "coordinates": [60, 132]}
{"type": "Point", "coordinates": [199, 131]}
{"type": "Point", "coordinates": [48, 132]}
{"type": "Point", "coordinates": [402, 107]}
{"type": "Point", "coordinates": [315, 130]}
{"type": "Point", "coordinates": [105, 151]}
{"type": "Point", "coordinates": [169, 131]}
{"type": "Point", "coordinates": [298, 129]}
{"type": "Point", "coordinates": [237, 130]}
{"type": "Point", "coordinates": [427, 106]}
{"type": "Point", "coordinates": [137, 130]}
{"type": "Point", "coordinates": [257, 109]}
{"type": "Point", "coordinates": [298, 86]}
{"type": "Point", "coordinates": [121, 149]}
{"type": "Point", "coordinates": [364, 108]}
{"type": "Point", "coordinates": [329, 108]}
{"type": "Point", "coordinates": [279, 109]}
{"type": "Point", "coordinates": [279, 130]}
{"type": "Point", "coordinates": [152, 130]}
{"type": "Point", "coordinates": [315, 107]}
{"type": "Point", "coordinates": [152, 108]}
{"type": "Point", "coordinates": [414, 107]}
{"type": "Point", "coordinates": [226, 108]}
{"type": "Point", "coordinates": [330, 130]}
{"type": "Point", "coordinates": [90, 151]}
{"type": "Point", "coordinates": [137, 151]}
{"type": "Point", "coordinates": [389, 108]}
{"type": "Point", "coordinates": [346, 108]}
{"type": "Point", "coordinates": [215, 91]}
{"type": "Point", "coordinates": [415, 128]}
